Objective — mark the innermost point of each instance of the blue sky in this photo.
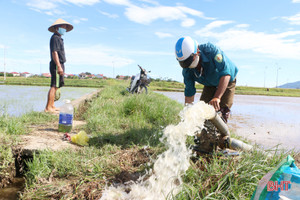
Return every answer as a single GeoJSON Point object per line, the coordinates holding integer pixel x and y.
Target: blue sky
{"type": "Point", "coordinates": [262, 37]}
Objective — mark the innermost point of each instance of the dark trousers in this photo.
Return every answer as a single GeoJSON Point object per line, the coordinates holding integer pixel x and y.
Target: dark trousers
{"type": "Point", "coordinates": [226, 100]}
{"type": "Point", "coordinates": [53, 75]}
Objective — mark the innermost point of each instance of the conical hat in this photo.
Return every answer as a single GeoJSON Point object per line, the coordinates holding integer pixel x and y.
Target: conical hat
{"type": "Point", "coordinates": [60, 22]}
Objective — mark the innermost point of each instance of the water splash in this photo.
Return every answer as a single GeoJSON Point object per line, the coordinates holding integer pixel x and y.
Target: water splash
{"type": "Point", "coordinates": [165, 178]}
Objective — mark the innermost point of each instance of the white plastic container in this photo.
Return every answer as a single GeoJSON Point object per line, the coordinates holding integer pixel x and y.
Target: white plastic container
{"type": "Point", "coordinates": [66, 117]}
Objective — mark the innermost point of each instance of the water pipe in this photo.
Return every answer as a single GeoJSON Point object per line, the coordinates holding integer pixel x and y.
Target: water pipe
{"type": "Point", "coordinates": [223, 128]}
{"type": "Point", "coordinates": [220, 125]}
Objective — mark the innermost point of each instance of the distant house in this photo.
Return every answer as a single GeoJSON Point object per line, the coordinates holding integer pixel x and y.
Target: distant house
{"type": "Point", "coordinates": [15, 74]}
{"type": "Point", "coordinates": [91, 76]}
{"type": "Point", "coordinates": [69, 75]}
{"type": "Point", "coordinates": [26, 74]}
{"type": "Point", "coordinates": [99, 75]}
{"type": "Point", "coordinates": [47, 75]}
{"type": "Point", "coordinates": [121, 77]}
{"type": "Point", "coordinates": [82, 75]}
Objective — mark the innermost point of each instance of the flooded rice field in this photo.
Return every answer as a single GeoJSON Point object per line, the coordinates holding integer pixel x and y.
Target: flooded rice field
{"type": "Point", "coordinates": [265, 120]}
{"type": "Point", "coordinates": [18, 100]}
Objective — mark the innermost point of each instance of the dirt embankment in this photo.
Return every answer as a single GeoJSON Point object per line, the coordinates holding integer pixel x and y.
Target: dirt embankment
{"type": "Point", "coordinates": [47, 136]}
{"type": "Point", "coordinates": [43, 137]}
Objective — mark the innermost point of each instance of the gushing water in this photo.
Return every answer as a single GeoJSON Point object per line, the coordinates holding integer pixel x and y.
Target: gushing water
{"type": "Point", "coordinates": [165, 178]}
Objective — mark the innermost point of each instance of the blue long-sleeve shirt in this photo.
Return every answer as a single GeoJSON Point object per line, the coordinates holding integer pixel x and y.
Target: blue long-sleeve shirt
{"type": "Point", "coordinates": [215, 64]}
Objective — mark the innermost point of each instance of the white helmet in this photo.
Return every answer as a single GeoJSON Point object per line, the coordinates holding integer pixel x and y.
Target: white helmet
{"type": "Point", "coordinates": [185, 49]}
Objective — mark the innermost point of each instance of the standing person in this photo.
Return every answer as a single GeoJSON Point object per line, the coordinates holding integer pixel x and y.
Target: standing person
{"type": "Point", "coordinates": [208, 65]}
{"type": "Point", "coordinates": [57, 54]}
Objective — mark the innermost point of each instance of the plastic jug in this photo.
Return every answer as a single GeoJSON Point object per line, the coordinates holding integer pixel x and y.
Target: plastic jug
{"type": "Point", "coordinates": [66, 117]}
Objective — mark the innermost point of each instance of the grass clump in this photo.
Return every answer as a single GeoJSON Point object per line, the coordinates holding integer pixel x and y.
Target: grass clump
{"type": "Point", "coordinates": [6, 155]}
{"type": "Point", "coordinates": [11, 125]}
{"type": "Point", "coordinates": [227, 177]}
{"type": "Point", "coordinates": [19, 125]}
{"type": "Point", "coordinates": [125, 119]}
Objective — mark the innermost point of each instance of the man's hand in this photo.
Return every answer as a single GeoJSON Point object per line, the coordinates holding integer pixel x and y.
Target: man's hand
{"type": "Point", "coordinates": [60, 71]}
{"type": "Point", "coordinates": [188, 100]}
{"type": "Point", "coordinates": [223, 83]}
{"type": "Point", "coordinates": [215, 102]}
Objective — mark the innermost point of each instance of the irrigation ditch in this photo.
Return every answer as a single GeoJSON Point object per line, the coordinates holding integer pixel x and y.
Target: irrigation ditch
{"type": "Point", "coordinates": [12, 180]}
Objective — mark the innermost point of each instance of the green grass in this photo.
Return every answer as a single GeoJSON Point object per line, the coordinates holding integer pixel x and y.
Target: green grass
{"type": "Point", "coordinates": [154, 85]}
{"type": "Point", "coordinates": [229, 178]}
{"type": "Point", "coordinates": [38, 81]}
{"type": "Point", "coordinates": [131, 115]}
{"type": "Point", "coordinates": [121, 124]}
{"type": "Point", "coordinates": [6, 155]}
{"type": "Point", "coordinates": [10, 130]}
{"type": "Point", "coordinates": [125, 134]}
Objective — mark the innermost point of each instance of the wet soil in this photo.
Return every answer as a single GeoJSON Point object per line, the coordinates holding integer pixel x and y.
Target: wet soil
{"type": "Point", "coordinates": [12, 191]}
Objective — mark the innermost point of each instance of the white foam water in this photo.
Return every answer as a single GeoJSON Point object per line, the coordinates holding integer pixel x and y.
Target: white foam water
{"type": "Point", "coordinates": [165, 178]}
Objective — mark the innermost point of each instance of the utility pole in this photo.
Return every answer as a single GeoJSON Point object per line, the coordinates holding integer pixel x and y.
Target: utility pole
{"type": "Point", "coordinates": [278, 68]}
{"type": "Point", "coordinates": [265, 76]}
{"type": "Point", "coordinates": [40, 68]}
{"type": "Point", "coordinates": [113, 69]}
{"type": "Point", "coordinates": [4, 64]}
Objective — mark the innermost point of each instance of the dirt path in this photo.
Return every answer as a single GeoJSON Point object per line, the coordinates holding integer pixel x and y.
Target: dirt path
{"type": "Point", "coordinates": [46, 136]}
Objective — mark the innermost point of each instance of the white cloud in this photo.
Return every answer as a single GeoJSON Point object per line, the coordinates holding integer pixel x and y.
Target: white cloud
{"type": "Point", "coordinates": [295, 1]}
{"type": "Point", "coordinates": [294, 20]}
{"type": "Point", "coordinates": [100, 28]}
{"type": "Point", "coordinates": [242, 25]}
{"type": "Point", "coordinates": [146, 14]}
{"type": "Point", "coordinates": [100, 55]}
{"type": "Point", "coordinates": [77, 21]}
{"type": "Point", "coordinates": [83, 2]}
{"type": "Point", "coordinates": [49, 5]}
{"type": "Point", "coordinates": [193, 12]}
{"type": "Point", "coordinates": [108, 14]}
{"type": "Point", "coordinates": [188, 22]}
{"type": "Point", "coordinates": [163, 35]}
{"type": "Point", "coordinates": [150, 1]}
{"type": "Point", "coordinates": [96, 56]}
{"type": "Point", "coordinates": [273, 45]}
{"type": "Point", "coordinates": [119, 2]}
{"type": "Point", "coordinates": [215, 24]}
{"type": "Point", "coordinates": [140, 14]}
{"type": "Point", "coordinates": [42, 4]}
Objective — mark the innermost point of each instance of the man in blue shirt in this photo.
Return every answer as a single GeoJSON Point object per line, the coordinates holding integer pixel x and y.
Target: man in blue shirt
{"type": "Point", "coordinates": [207, 65]}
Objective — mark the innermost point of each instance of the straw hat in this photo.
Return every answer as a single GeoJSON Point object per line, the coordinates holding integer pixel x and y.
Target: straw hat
{"type": "Point", "coordinates": [60, 22]}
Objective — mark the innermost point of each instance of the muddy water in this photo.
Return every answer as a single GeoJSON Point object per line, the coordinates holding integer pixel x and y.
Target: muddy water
{"type": "Point", "coordinates": [264, 120]}
{"type": "Point", "coordinates": [17, 100]}
{"type": "Point", "coordinates": [11, 192]}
